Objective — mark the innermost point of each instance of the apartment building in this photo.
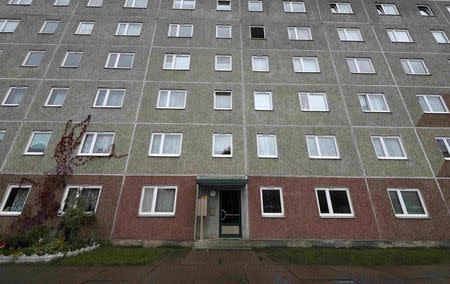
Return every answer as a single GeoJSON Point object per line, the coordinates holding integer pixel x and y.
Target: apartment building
{"type": "Point", "coordinates": [295, 120]}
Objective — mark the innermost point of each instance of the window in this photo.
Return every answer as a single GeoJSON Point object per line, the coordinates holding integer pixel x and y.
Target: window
{"type": "Point", "coordinates": [136, 4]}
{"type": "Point", "coordinates": [158, 201]}
{"type": "Point", "coordinates": [373, 103]}
{"type": "Point", "coordinates": [38, 143]}
{"type": "Point", "coordinates": [266, 146]}
{"type": "Point", "coordinates": [360, 65]}
{"type": "Point", "coordinates": [178, 30]}
{"type": "Point", "coordinates": [448, 8]}
{"type": "Point", "coordinates": [223, 5]}
{"type": "Point", "coordinates": [223, 31]}
{"type": "Point", "coordinates": [341, 8]}
{"type": "Point", "coordinates": [349, 34]}
{"type": "Point", "coordinates": [86, 197]}
{"type": "Point", "coordinates": [299, 33]}
{"type": "Point", "coordinates": [109, 98]}
{"type": "Point", "coordinates": [322, 147]}
{"type": "Point", "coordinates": [49, 27]}
{"type": "Point", "coordinates": [255, 6]}
{"type": "Point", "coordinates": [120, 60]}
{"type": "Point", "coordinates": [222, 145]}
{"type": "Point", "coordinates": [33, 58]}
{"type": "Point", "coordinates": [306, 64]}
{"type": "Point", "coordinates": [260, 63]}
{"type": "Point", "coordinates": [432, 104]}
{"type": "Point", "coordinates": [257, 32]}
{"type": "Point", "coordinates": [272, 202]}
{"type": "Point", "coordinates": [14, 200]}
{"type": "Point", "coordinates": [20, 2]}
{"type": "Point", "coordinates": [313, 102]}
{"type": "Point", "coordinates": [184, 4]}
{"type": "Point", "coordinates": [223, 63]}
{"type": "Point", "coordinates": [387, 9]}
{"type": "Point", "coordinates": [334, 202]}
{"type": "Point", "coordinates": [61, 3]}
{"type": "Point", "coordinates": [56, 97]}
{"type": "Point", "coordinates": [8, 26]}
{"type": "Point", "coordinates": [72, 59]}
{"type": "Point", "coordinates": [294, 7]}
{"type": "Point", "coordinates": [223, 100]}
{"type": "Point", "coordinates": [177, 61]}
{"type": "Point", "coordinates": [129, 29]}
{"type": "Point", "coordinates": [95, 3]}
{"type": "Point", "coordinates": [414, 66]}
{"type": "Point", "coordinates": [440, 36]}
{"type": "Point", "coordinates": [165, 144]}
{"type": "Point", "coordinates": [85, 28]}
{"type": "Point", "coordinates": [388, 147]}
{"type": "Point", "coordinates": [171, 99]}
{"type": "Point", "coordinates": [425, 10]}
{"type": "Point", "coordinates": [96, 144]}
{"type": "Point", "coordinates": [407, 203]}
{"type": "Point", "coordinates": [399, 35]}
{"type": "Point", "coordinates": [2, 135]}
{"type": "Point", "coordinates": [263, 100]}
{"type": "Point", "coordinates": [14, 96]}
{"type": "Point", "coordinates": [444, 146]}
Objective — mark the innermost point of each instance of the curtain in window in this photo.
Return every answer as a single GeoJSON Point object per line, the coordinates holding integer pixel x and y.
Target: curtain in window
{"type": "Point", "coordinates": [222, 100]}
{"type": "Point", "coordinates": [89, 197]}
{"type": "Point", "coordinates": [309, 65]}
{"type": "Point", "coordinates": [134, 29]}
{"type": "Point", "coordinates": [327, 146]}
{"type": "Point", "coordinates": [156, 143]}
{"type": "Point", "coordinates": [165, 200]}
{"type": "Point", "coordinates": [412, 202]}
{"type": "Point", "coordinates": [305, 102]}
{"type": "Point", "coordinates": [260, 63]}
{"type": "Point", "coordinates": [417, 66]}
{"type": "Point", "coordinates": [443, 147]}
{"type": "Point", "coordinates": [162, 98]}
{"type": "Point", "coordinates": [436, 104]}
{"type": "Point", "coordinates": [182, 62]}
{"type": "Point", "coordinates": [312, 148]}
{"type": "Point", "coordinates": [364, 103]}
{"type": "Point", "coordinates": [378, 103]}
{"type": "Point", "coordinates": [103, 143]}
{"type": "Point", "coordinates": [378, 147]}
{"type": "Point", "coordinates": [171, 144]}
{"type": "Point", "coordinates": [147, 200]}
{"type": "Point", "coordinates": [57, 97]}
{"type": "Point", "coordinates": [267, 146]}
{"type": "Point", "coordinates": [222, 145]}
{"type": "Point", "coordinates": [39, 143]}
{"type": "Point", "coordinates": [115, 98]}
{"type": "Point", "coordinates": [422, 103]}
{"type": "Point", "coordinates": [176, 99]}
{"type": "Point", "coordinates": [393, 147]}
{"type": "Point", "coordinates": [223, 62]}
{"type": "Point", "coordinates": [87, 143]}
{"type": "Point", "coordinates": [317, 102]}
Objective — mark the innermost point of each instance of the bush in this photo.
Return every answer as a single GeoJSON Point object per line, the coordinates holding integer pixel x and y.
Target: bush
{"type": "Point", "coordinates": [73, 221]}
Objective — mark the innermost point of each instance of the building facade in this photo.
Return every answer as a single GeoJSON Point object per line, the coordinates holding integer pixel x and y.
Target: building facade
{"type": "Point", "coordinates": [295, 120]}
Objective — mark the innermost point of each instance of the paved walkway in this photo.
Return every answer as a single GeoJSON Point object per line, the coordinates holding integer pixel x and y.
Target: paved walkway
{"type": "Point", "coordinates": [224, 267]}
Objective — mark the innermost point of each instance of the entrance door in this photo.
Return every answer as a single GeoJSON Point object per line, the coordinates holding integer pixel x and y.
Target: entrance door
{"type": "Point", "coordinates": [230, 214]}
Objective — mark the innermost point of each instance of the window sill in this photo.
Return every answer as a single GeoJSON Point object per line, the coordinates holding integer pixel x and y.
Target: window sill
{"type": "Point", "coordinates": [337, 217]}
{"type": "Point", "coordinates": [392, 159]}
{"type": "Point", "coordinates": [10, 214]}
{"type": "Point", "coordinates": [107, 107]}
{"type": "Point", "coordinates": [118, 68]}
{"type": "Point", "coordinates": [164, 156]}
{"type": "Point", "coordinates": [325, 158]}
{"type": "Point", "coordinates": [411, 74]}
{"type": "Point", "coordinates": [156, 215]}
{"type": "Point", "coordinates": [268, 157]}
{"type": "Point", "coordinates": [274, 216]}
{"type": "Point", "coordinates": [414, 217]}
{"type": "Point", "coordinates": [33, 154]}
{"type": "Point", "coordinates": [216, 156]}
{"type": "Point", "coordinates": [94, 155]}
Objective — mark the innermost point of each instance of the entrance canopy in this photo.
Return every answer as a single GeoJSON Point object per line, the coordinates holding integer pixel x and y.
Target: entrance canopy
{"type": "Point", "coordinates": [239, 181]}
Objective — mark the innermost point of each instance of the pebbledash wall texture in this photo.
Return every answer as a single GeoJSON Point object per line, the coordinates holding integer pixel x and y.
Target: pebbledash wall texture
{"type": "Point", "coordinates": [297, 121]}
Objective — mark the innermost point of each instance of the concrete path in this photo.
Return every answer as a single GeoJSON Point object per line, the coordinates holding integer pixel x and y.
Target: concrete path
{"type": "Point", "coordinates": [224, 267]}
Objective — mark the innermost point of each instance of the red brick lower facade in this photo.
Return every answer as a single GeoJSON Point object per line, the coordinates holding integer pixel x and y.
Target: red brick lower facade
{"type": "Point", "coordinates": [374, 219]}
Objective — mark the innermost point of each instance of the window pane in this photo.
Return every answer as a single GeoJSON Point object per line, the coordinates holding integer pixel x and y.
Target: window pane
{"type": "Point", "coordinates": [323, 205]}
{"type": "Point", "coordinates": [393, 147]}
{"type": "Point", "coordinates": [317, 102]}
{"type": "Point", "coordinates": [263, 101]}
{"type": "Point", "coordinates": [185, 31]}
{"type": "Point", "coordinates": [443, 147]}
{"type": "Point", "coordinates": [312, 148]}
{"type": "Point", "coordinates": [436, 104]}
{"type": "Point", "coordinates": [34, 58]}
{"type": "Point", "coordinates": [223, 100]}
{"type": "Point", "coordinates": [423, 104]}
{"type": "Point", "coordinates": [115, 98]}
{"type": "Point", "coordinates": [310, 65]}
{"type": "Point", "coordinates": [147, 200]}
{"type": "Point", "coordinates": [15, 96]}
{"type": "Point", "coordinates": [57, 97]}
{"type": "Point", "coordinates": [101, 98]}
{"type": "Point", "coordinates": [339, 201]}
{"type": "Point", "coordinates": [39, 143]}
{"type": "Point", "coordinates": [165, 200]}
{"type": "Point", "coordinates": [112, 60]}
{"type": "Point", "coordinates": [156, 144]}
{"type": "Point", "coordinates": [16, 200]}
{"type": "Point", "coordinates": [87, 143]}
{"type": "Point", "coordinates": [171, 144]}
{"type": "Point", "coordinates": [327, 147]}
{"type": "Point", "coordinates": [72, 60]}
{"type": "Point", "coordinates": [266, 146]}
{"type": "Point", "coordinates": [89, 197]}
{"type": "Point", "coordinates": [163, 96]}
{"type": "Point", "coordinates": [71, 198]}
{"type": "Point", "coordinates": [222, 144]}
{"type": "Point", "coordinates": [365, 66]}
{"type": "Point", "coordinates": [377, 103]}
{"type": "Point", "coordinates": [260, 64]}
{"type": "Point", "coordinates": [418, 67]}
{"type": "Point", "coordinates": [182, 62]}
{"type": "Point", "coordinates": [352, 65]}
{"type": "Point", "coordinates": [271, 201]}
{"type": "Point", "coordinates": [364, 102]}
{"type": "Point", "coordinates": [125, 60]}
{"type": "Point", "coordinates": [412, 202]}
{"type": "Point", "coordinates": [177, 99]}
{"type": "Point", "coordinates": [395, 202]}
{"type": "Point", "coordinates": [103, 143]}
{"type": "Point", "coordinates": [378, 147]}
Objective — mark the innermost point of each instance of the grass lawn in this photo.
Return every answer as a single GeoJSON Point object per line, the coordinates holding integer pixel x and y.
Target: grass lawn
{"type": "Point", "coordinates": [332, 256]}
{"type": "Point", "coordinates": [109, 255]}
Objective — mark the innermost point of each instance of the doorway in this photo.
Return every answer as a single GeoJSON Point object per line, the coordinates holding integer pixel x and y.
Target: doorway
{"type": "Point", "coordinates": [230, 214]}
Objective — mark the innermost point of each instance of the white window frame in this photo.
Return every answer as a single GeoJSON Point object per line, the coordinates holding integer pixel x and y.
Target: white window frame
{"type": "Point", "coordinates": [127, 27]}
{"type": "Point", "coordinates": [169, 94]}
{"type": "Point", "coordinates": [272, 215]}
{"type": "Point", "coordinates": [161, 146]}
{"type": "Point", "coordinates": [291, 10]}
{"type": "Point", "coordinates": [258, 2]}
{"type": "Point", "coordinates": [133, 4]}
{"type": "Point", "coordinates": [274, 136]}
{"type": "Point", "coordinates": [5, 198]}
{"type": "Point", "coordinates": [266, 58]}
{"type": "Point", "coordinates": [405, 214]}
{"type": "Point", "coordinates": [173, 67]}
{"type": "Point", "coordinates": [78, 31]}
{"type": "Point", "coordinates": [231, 100]}
{"type": "Point", "coordinates": [346, 31]}
{"type": "Point", "coordinates": [6, 21]}
{"type": "Point", "coordinates": [216, 68]}
{"type": "Point", "coordinates": [181, 6]}
{"type": "Point", "coordinates": [41, 31]}
{"type": "Point", "coordinates": [369, 103]}
{"type": "Point", "coordinates": [225, 9]}
{"type": "Point", "coordinates": [221, 26]}
{"type": "Point", "coordinates": [331, 214]}
{"type": "Point", "coordinates": [255, 93]}
{"type": "Point", "coordinates": [338, 9]}
{"type": "Point", "coordinates": [213, 145]}
{"type": "Point", "coordinates": [67, 55]}
{"type": "Point", "coordinates": [33, 134]}
{"type": "Point", "coordinates": [447, 145]}
{"type": "Point", "coordinates": [297, 34]}
{"type": "Point", "coordinates": [116, 63]}
{"type": "Point", "coordinates": [50, 95]}
{"type": "Point", "coordinates": [94, 140]}
{"type": "Point", "coordinates": [308, 94]}
{"type": "Point", "coordinates": [28, 56]}
{"type": "Point", "coordinates": [384, 10]}
{"type": "Point", "coordinates": [301, 59]}
{"type": "Point", "coordinates": [443, 34]}
{"type": "Point", "coordinates": [89, 4]}
{"type": "Point", "coordinates": [358, 69]}
{"type": "Point", "coordinates": [427, 7]}
{"type": "Point", "coordinates": [79, 190]}
{"type": "Point", "coordinates": [9, 93]}
{"type": "Point", "coordinates": [108, 92]}
{"type": "Point", "coordinates": [318, 149]}
{"type": "Point", "coordinates": [425, 98]}
{"type": "Point", "coordinates": [152, 213]}
{"type": "Point", "coordinates": [383, 146]}
{"type": "Point", "coordinates": [392, 33]}
{"type": "Point", "coordinates": [177, 33]}
{"type": "Point", "coordinates": [408, 62]}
